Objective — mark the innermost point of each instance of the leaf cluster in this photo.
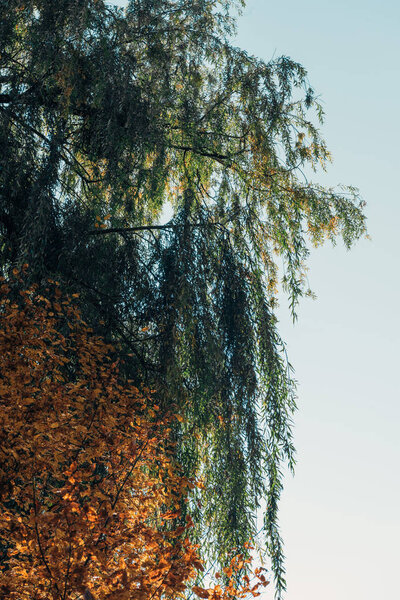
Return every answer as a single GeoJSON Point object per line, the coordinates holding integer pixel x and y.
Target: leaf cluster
{"type": "Point", "coordinates": [87, 477]}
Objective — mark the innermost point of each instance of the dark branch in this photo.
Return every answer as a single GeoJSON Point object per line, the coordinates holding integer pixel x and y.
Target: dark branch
{"type": "Point", "coordinates": [130, 229]}
{"type": "Point", "coordinates": [146, 228]}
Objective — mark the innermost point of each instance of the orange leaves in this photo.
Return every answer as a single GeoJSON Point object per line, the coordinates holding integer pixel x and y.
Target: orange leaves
{"type": "Point", "coordinates": [201, 592]}
{"type": "Point", "coordinates": [82, 463]}
{"type": "Point", "coordinates": [89, 494]}
{"type": "Point", "coordinates": [232, 589]}
{"type": "Point", "coordinates": [170, 515]}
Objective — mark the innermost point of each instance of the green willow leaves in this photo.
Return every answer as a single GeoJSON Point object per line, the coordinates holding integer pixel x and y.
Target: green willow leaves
{"type": "Point", "coordinates": [113, 121]}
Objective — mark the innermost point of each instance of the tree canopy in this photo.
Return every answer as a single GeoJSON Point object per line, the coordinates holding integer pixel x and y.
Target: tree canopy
{"type": "Point", "coordinates": [112, 118]}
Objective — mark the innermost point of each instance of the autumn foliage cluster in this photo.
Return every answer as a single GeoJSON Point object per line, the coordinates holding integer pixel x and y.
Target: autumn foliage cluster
{"type": "Point", "coordinates": [89, 491]}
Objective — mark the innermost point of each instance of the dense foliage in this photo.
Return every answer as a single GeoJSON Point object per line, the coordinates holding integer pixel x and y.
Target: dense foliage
{"type": "Point", "coordinates": [111, 119]}
{"type": "Point", "coordinates": [89, 492]}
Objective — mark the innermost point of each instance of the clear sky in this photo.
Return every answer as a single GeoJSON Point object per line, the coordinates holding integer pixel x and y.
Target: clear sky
{"type": "Point", "coordinates": [340, 514]}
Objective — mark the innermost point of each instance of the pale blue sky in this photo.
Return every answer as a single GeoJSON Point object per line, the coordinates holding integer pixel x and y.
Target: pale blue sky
{"type": "Point", "coordinates": [340, 514]}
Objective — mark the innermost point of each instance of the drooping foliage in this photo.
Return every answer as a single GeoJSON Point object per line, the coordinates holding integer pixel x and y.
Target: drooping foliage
{"type": "Point", "coordinates": [90, 494]}
{"type": "Point", "coordinates": [111, 119]}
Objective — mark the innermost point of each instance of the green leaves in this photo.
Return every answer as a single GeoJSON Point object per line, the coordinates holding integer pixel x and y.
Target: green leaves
{"type": "Point", "coordinates": [151, 111]}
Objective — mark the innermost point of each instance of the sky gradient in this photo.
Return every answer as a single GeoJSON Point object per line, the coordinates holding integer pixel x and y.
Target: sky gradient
{"type": "Point", "coordinates": [340, 513]}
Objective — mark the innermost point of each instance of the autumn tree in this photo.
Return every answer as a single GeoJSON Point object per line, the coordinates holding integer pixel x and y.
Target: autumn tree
{"type": "Point", "coordinates": [111, 118]}
{"type": "Point", "coordinates": [88, 485]}
{"type": "Point", "coordinates": [86, 474]}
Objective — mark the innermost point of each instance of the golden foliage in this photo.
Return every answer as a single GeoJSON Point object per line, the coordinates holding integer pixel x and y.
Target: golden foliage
{"type": "Point", "coordinates": [85, 476]}
{"type": "Point", "coordinates": [89, 492]}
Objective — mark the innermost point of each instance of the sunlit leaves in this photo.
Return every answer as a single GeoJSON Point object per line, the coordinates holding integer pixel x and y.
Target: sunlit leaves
{"type": "Point", "coordinates": [90, 496]}
{"type": "Point", "coordinates": [86, 476]}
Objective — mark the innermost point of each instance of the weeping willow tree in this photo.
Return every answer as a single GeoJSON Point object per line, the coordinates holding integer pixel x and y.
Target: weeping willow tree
{"type": "Point", "coordinates": [111, 119]}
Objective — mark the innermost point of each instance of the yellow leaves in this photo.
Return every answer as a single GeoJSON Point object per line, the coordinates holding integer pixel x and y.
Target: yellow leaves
{"type": "Point", "coordinates": [74, 507]}
{"type": "Point", "coordinates": [91, 514]}
{"type": "Point", "coordinates": [153, 576]}
{"type": "Point", "coordinates": [73, 466]}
